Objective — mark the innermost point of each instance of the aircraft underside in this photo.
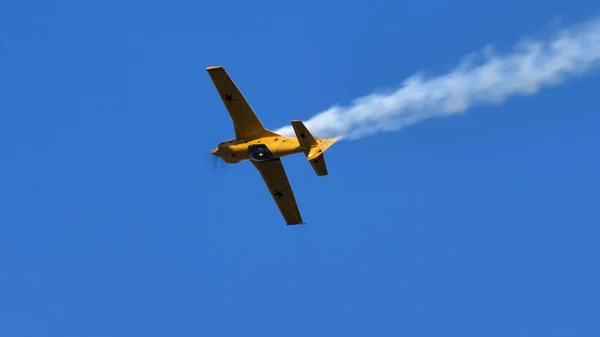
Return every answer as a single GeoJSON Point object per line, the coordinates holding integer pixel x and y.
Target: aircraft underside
{"type": "Point", "coordinates": [259, 153]}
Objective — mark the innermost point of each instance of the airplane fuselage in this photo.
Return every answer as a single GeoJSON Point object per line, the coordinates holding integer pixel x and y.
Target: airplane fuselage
{"type": "Point", "coordinates": [260, 149]}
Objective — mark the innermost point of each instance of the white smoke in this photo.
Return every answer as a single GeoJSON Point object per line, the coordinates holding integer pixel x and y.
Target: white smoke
{"type": "Point", "coordinates": [533, 65]}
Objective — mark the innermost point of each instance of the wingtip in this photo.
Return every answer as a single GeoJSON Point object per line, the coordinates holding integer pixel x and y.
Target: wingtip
{"type": "Point", "coordinates": [296, 223]}
{"type": "Point", "coordinates": [209, 68]}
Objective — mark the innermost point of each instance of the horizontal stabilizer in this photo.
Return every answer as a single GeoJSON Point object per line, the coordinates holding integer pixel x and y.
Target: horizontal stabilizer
{"type": "Point", "coordinates": [318, 164]}
{"type": "Point", "coordinates": [316, 155]}
{"type": "Point", "coordinates": [305, 138]}
{"type": "Point", "coordinates": [322, 145]}
{"type": "Point", "coordinates": [313, 148]}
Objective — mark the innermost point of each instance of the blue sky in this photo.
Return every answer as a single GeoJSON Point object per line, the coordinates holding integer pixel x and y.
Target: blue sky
{"type": "Point", "coordinates": [113, 221]}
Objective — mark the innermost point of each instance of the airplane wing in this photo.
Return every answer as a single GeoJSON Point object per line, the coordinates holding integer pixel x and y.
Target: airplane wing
{"type": "Point", "coordinates": [245, 122]}
{"type": "Point", "coordinates": [273, 174]}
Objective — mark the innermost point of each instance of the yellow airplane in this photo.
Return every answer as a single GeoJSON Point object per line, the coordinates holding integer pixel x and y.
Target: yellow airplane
{"type": "Point", "coordinates": [264, 148]}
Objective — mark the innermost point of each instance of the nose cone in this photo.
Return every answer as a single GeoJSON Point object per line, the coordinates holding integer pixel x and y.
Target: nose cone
{"type": "Point", "coordinates": [215, 152]}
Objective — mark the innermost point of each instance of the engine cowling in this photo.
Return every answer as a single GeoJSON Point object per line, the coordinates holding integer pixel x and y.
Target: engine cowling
{"type": "Point", "coordinates": [226, 153]}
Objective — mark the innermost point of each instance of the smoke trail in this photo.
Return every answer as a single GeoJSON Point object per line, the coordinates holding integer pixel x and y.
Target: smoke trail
{"type": "Point", "coordinates": [533, 65]}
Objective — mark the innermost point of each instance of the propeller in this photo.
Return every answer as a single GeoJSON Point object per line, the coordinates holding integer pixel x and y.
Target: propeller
{"type": "Point", "coordinates": [213, 163]}
{"type": "Point", "coordinates": [217, 164]}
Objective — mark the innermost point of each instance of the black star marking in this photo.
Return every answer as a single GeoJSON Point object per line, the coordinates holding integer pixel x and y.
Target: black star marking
{"type": "Point", "coordinates": [275, 139]}
{"type": "Point", "coordinates": [278, 194]}
{"type": "Point", "coordinates": [316, 161]}
{"type": "Point", "coordinates": [229, 98]}
{"type": "Point", "coordinates": [302, 135]}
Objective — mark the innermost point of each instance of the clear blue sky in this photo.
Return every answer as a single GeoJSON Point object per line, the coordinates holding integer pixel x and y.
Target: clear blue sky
{"type": "Point", "coordinates": [114, 223]}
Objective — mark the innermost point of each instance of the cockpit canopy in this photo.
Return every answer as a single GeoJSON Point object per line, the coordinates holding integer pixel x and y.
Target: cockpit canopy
{"type": "Point", "coordinates": [259, 152]}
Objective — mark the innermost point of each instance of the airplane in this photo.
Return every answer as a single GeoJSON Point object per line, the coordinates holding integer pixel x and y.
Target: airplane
{"type": "Point", "coordinates": [264, 148]}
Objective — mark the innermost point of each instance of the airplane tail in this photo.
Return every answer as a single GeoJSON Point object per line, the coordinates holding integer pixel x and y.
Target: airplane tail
{"type": "Point", "coordinates": [314, 148]}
